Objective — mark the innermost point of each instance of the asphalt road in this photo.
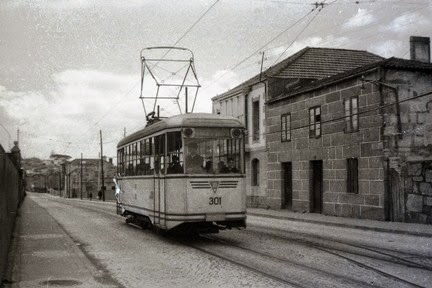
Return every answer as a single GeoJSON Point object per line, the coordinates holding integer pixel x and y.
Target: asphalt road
{"type": "Point", "coordinates": [269, 253]}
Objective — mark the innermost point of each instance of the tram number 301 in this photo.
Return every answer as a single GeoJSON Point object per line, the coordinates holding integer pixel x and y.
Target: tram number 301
{"type": "Point", "coordinates": [215, 200]}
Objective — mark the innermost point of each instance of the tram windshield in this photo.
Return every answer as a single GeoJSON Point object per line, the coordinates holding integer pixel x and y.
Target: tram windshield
{"type": "Point", "coordinates": [208, 151]}
{"type": "Point", "coordinates": [213, 156]}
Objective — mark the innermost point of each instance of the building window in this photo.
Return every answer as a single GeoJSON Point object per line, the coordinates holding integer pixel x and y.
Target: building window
{"type": "Point", "coordinates": [255, 172]}
{"type": "Point", "coordinates": [352, 175]}
{"type": "Point", "coordinates": [315, 122]}
{"type": "Point", "coordinates": [255, 121]}
{"type": "Point", "coordinates": [286, 127]}
{"type": "Point", "coordinates": [351, 114]}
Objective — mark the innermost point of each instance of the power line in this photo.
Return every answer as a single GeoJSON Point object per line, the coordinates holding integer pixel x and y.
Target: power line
{"type": "Point", "coordinates": [188, 30]}
{"type": "Point", "coordinates": [295, 39]}
{"type": "Point", "coordinates": [259, 49]}
{"type": "Point", "coordinates": [193, 25]}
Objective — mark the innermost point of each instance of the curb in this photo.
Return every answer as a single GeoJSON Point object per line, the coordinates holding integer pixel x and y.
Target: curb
{"type": "Point", "coordinates": [345, 225]}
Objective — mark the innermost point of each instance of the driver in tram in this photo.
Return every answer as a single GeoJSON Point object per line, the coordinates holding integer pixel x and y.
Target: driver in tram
{"type": "Point", "coordinates": [194, 161]}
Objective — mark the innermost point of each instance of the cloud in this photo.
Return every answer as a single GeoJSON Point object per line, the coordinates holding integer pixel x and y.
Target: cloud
{"type": "Point", "coordinates": [327, 41]}
{"type": "Point", "coordinates": [68, 119]}
{"type": "Point", "coordinates": [402, 23]}
{"type": "Point", "coordinates": [362, 18]}
{"type": "Point", "coordinates": [75, 4]}
{"type": "Point", "coordinates": [387, 48]}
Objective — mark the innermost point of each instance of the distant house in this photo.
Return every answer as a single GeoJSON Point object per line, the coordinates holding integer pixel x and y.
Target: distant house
{"type": "Point", "coordinates": [36, 182]}
{"type": "Point", "coordinates": [356, 144]}
{"type": "Point", "coordinates": [45, 175]}
{"type": "Point", "coordinates": [247, 102]}
{"type": "Point", "coordinates": [90, 181]}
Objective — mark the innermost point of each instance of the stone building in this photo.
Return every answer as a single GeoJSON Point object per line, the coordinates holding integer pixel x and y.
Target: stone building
{"type": "Point", "coordinates": [357, 144]}
{"type": "Point", "coordinates": [90, 182]}
{"type": "Point", "coordinates": [246, 102]}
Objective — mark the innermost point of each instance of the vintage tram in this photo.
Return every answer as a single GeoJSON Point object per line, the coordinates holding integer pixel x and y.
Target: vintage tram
{"type": "Point", "coordinates": [185, 173]}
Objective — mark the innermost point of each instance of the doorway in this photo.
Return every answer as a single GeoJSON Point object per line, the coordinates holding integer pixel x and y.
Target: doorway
{"type": "Point", "coordinates": [287, 194]}
{"type": "Point", "coordinates": [316, 187]}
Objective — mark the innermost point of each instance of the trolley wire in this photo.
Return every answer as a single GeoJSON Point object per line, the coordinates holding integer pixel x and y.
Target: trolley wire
{"type": "Point", "coordinates": [317, 4]}
{"type": "Point", "coordinates": [136, 84]}
{"type": "Point", "coordinates": [295, 38]}
{"type": "Point", "coordinates": [259, 49]}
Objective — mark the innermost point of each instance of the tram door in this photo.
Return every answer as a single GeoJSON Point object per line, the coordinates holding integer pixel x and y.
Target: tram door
{"type": "Point", "coordinates": [159, 181]}
{"type": "Point", "coordinates": [159, 199]}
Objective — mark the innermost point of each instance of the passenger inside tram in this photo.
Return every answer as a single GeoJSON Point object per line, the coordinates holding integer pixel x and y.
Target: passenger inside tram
{"type": "Point", "coordinates": [231, 166]}
{"type": "Point", "coordinates": [175, 167]}
{"type": "Point", "coordinates": [221, 167]}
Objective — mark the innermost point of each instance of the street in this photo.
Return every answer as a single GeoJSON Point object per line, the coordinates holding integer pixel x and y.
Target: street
{"type": "Point", "coordinates": [269, 253]}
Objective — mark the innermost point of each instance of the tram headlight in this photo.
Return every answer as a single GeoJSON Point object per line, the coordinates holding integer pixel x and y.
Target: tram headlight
{"type": "Point", "coordinates": [188, 132]}
{"type": "Point", "coordinates": [236, 133]}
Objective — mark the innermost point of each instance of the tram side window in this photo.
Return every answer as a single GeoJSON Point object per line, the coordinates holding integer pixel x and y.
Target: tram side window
{"type": "Point", "coordinates": [175, 153]}
{"type": "Point", "coordinates": [120, 159]}
{"type": "Point", "coordinates": [146, 156]}
{"type": "Point", "coordinates": [134, 158]}
{"type": "Point", "coordinates": [159, 164]}
{"type": "Point", "coordinates": [130, 160]}
{"type": "Point", "coordinates": [138, 159]}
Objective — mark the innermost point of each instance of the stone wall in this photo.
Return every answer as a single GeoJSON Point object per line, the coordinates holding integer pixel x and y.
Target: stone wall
{"type": "Point", "coordinates": [418, 192]}
{"type": "Point", "coordinates": [334, 147]}
{"type": "Point", "coordinates": [11, 195]}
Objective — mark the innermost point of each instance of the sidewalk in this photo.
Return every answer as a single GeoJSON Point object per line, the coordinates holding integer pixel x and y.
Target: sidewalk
{"type": "Point", "coordinates": [43, 255]}
{"type": "Point", "coordinates": [424, 230]}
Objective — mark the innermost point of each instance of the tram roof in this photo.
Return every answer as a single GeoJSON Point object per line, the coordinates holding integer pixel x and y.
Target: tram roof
{"type": "Point", "coordinates": [182, 121]}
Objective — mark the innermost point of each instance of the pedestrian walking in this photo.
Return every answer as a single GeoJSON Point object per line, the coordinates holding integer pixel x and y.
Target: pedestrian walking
{"type": "Point", "coordinates": [99, 195]}
{"type": "Point", "coordinates": [90, 196]}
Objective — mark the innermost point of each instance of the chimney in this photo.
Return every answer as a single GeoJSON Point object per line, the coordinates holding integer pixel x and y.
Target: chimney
{"type": "Point", "coordinates": [420, 48]}
{"type": "Point", "coordinates": [111, 160]}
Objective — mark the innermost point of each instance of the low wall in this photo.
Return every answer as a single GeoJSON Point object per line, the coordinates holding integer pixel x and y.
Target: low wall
{"type": "Point", "coordinates": [418, 192]}
{"type": "Point", "coordinates": [11, 195]}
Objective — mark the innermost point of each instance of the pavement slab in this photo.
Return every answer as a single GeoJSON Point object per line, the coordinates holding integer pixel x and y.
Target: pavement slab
{"type": "Point", "coordinates": [44, 255]}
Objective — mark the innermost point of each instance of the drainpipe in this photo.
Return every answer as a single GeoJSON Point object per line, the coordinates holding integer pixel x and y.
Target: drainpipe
{"type": "Point", "coordinates": [386, 145]}
{"type": "Point", "coordinates": [388, 214]}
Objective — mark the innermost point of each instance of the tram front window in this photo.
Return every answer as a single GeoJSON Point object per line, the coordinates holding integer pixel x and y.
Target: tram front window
{"type": "Point", "coordinates": [213, 156]}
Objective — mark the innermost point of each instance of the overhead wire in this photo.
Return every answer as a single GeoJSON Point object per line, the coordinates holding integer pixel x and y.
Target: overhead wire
{"type": "Point", "coordinates": [295, 38]}
{"type": "Point", "coordinates": [259, 49]}
{"type": "Point", "coordinates": [326, 4]}
{"type": "Point", "coordinates": [133, 87]}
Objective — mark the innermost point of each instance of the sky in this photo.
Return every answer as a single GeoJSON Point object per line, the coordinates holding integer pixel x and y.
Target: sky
{"type": "Point", "coordinates": [71, 68]}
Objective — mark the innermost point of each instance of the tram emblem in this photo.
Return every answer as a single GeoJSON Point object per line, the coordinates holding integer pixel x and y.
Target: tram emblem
{"type": "Point", "coordinates": [214, 185]}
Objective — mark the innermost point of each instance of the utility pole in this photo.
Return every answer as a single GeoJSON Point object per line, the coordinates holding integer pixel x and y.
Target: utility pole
{"type": "Point", "coordinates": [124, 132]}
{"type": "Point", "coordinates": [262, 62]}
{"type": "Point", "coordinates": [102, 171]}
{"type": "Point", "coordinates": [81, 178]}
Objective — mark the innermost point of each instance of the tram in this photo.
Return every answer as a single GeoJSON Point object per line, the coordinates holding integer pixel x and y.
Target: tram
{"type": "Point", "coordinates": [184, 172]}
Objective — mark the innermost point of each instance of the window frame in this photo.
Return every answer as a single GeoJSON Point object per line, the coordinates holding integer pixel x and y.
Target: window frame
{"type": "Point", "coordinates": [255, 172]}
{"type": "Point", "coordinates": [287, 131]}
{"type": "Point", "coordinates": [313, 126]}
{"type": "Point", "coordinates": [256, 120]}
{"type": "Point", "coordinates": [349, 119]}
